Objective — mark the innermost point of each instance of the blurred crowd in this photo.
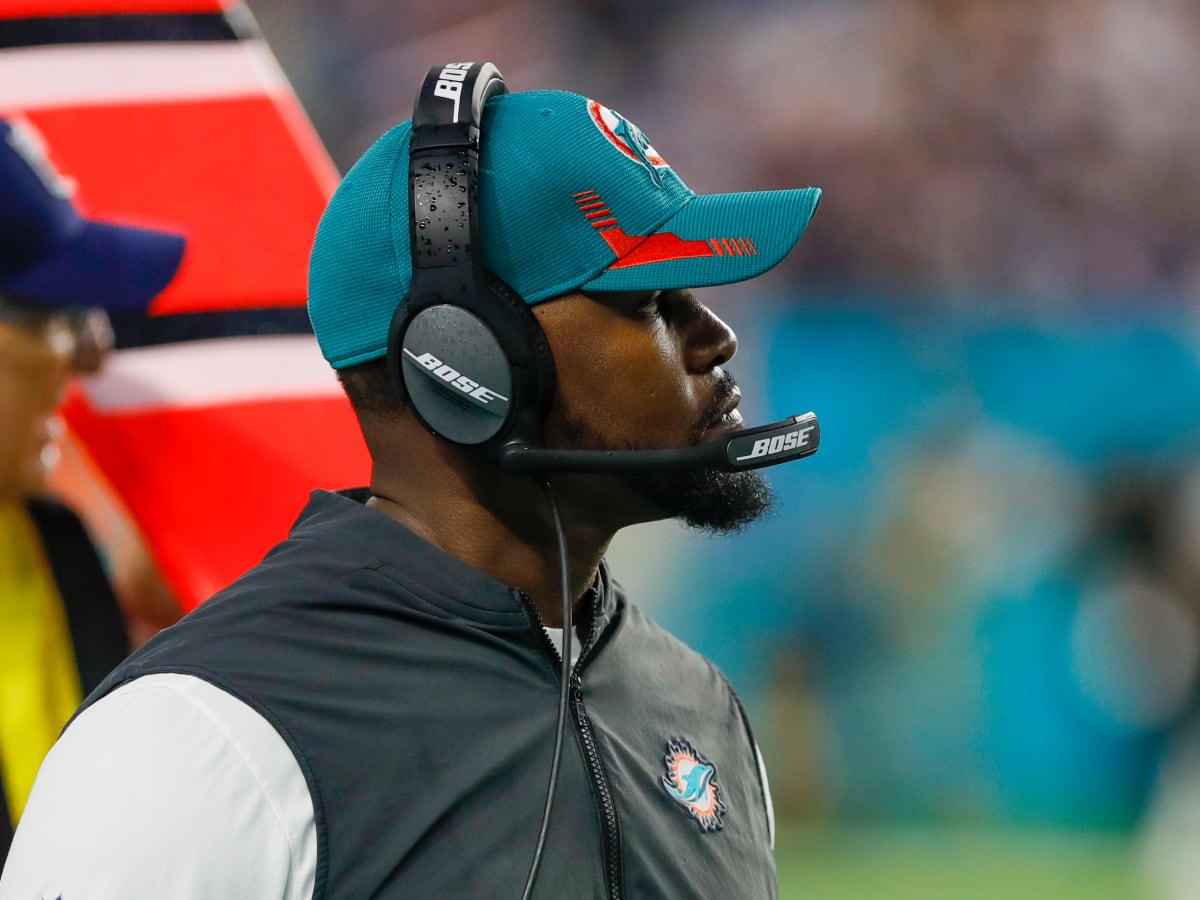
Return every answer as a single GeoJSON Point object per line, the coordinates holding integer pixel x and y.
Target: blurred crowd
{"type": "Point", "coordinates": [1045, 151]}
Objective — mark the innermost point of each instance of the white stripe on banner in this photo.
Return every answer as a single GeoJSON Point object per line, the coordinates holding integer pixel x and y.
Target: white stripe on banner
{"type": "Point", "coordinates": [195, 374]}
{"type": "Point", "coordinates": [83, 75]}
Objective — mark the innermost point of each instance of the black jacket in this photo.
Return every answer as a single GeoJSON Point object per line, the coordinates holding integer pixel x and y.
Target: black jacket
{"type": "Point", "coordinates": [419, 697]}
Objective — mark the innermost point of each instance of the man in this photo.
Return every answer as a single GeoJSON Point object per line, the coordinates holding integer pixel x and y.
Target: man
{"type": "Point", "coordinates": [373, 710]}
{"type": "Point", "coordinates": [61, 630]}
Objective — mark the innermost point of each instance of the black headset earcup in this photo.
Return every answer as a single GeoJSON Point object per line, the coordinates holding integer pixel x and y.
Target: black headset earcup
{"type": "Point", "coordinates": [464, 349]}
{"type": "Point", "coordinates": [456, 375]}
{"type": "Point", "coordinates": [541, 357]}
{"type": "Point", "coordinates": [475, 378]}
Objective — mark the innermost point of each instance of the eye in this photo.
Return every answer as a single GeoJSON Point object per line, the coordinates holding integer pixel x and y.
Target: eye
{"type": "Point", "coordinates": [671, 306]}
{"type": "Point", "coordinates": [651, 303]}
{"type": "Point", "coordinates": [656, 307]}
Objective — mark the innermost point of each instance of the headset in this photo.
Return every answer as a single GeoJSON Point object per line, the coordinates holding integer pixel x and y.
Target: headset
{"type": "Point", "coordinates": [469, 353]}
{"type": "Point", "coordinates": [473, 361]}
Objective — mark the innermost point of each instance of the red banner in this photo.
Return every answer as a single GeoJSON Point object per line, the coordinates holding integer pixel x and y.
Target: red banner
{"type": "Point", "coordinates": [174, 113]}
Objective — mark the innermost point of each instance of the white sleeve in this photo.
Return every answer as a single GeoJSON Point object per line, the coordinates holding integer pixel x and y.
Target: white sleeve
{"type": "Point", "coordinates": [168, 787]}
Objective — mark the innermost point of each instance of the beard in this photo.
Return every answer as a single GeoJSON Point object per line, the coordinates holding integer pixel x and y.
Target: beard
{"type": "Point", "coordinates": [711, 500]}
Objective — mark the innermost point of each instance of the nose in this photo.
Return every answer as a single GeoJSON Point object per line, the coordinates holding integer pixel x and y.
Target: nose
{"type": "Point", "coordinates": [708, 341]}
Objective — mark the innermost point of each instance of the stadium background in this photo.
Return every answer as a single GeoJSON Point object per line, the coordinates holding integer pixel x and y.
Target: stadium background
{"type": "Point", "coordinates": [968, 639]}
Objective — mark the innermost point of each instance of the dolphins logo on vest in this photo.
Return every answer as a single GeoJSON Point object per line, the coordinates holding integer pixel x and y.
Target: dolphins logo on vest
{"type": "Point", "coordinates": [691, 781]}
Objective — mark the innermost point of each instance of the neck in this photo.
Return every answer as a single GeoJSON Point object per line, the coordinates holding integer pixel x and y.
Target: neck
{"type": "Point", "coordinates": [507, 531]}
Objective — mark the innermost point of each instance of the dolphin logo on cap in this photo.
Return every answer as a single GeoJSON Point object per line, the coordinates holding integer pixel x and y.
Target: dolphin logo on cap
{"type": "Point", "coordinates": [628, 138]}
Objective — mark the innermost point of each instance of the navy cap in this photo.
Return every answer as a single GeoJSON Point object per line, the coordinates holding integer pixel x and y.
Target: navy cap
{"type": "Point", "coordinates": [50, 255]}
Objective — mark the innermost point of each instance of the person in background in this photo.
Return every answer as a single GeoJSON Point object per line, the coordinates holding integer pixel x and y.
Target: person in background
{"type": "Point", "coordinates": [61, 627]}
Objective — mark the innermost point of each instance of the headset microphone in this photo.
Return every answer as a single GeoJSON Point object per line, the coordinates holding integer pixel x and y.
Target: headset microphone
{"type": "Point", "coordinates": [749, 448]}
{"type": "Point", "coordinates": [468, 355]}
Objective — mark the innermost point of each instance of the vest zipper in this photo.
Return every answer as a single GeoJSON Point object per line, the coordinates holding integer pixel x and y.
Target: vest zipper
{"type": "Point", "coordinates": [610, 825]}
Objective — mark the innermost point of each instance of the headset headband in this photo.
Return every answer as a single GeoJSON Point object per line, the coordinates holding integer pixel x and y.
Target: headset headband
{"type": "Point", "coordinates": [469, 356]}
{"type": "Point", "coordinates": [443, 178]}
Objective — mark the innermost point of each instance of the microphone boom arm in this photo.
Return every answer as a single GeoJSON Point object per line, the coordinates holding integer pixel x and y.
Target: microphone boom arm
{"type": "Point", "coordinates": [750, 448]}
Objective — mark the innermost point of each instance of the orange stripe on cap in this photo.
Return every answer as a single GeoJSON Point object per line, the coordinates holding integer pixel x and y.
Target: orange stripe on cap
{"type": "Point", "coordinates": [662, 247]}
{"type": "Point", "coordinates": [638, 250]}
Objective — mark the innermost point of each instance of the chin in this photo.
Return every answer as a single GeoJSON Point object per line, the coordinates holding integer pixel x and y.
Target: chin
{"type": "Point", "coordinates": [709, 499]}
{"type": "Point", "coordinates": [21, 488]}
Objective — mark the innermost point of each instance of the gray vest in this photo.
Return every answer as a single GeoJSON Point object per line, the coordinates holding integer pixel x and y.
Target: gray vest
{"type": "Point", "coordinates": [420, 696]}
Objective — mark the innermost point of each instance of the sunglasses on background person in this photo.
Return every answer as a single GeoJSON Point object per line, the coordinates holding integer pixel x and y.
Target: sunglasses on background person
{"type": "Point", "coordinates": [82, 335]}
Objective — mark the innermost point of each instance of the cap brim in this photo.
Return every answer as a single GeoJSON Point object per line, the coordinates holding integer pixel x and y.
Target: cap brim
{"type": "Point", "coordinates": [713, 239]}
{"type": "Point", "coordinates": [114, 267]}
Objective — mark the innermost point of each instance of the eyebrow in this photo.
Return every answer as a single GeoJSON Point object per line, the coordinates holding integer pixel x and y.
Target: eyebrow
{"type": "Point", "coordinates": [679, 293]}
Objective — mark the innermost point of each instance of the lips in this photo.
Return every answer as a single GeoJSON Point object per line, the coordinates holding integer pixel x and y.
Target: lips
{"type": "Point", "coordinates": [727, 398]}
{"type": "Point", "coordinates": [729, 411]}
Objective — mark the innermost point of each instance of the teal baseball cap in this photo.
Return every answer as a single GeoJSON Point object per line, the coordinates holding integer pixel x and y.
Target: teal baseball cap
{"type": "Point", "coordinates": [572, 197]}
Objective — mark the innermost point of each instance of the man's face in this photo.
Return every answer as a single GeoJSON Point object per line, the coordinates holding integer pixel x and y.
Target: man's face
{"type": "Point", "coordinates": [34, 367]}
{"type": "Point", "coordinates": [38, 354]}
{"type": "Point", "coordinates": [644, 371]}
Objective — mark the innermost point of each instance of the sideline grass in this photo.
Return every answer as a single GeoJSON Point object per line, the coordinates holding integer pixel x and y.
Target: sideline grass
{"type": "Point", "coordinates": [923, 863]}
